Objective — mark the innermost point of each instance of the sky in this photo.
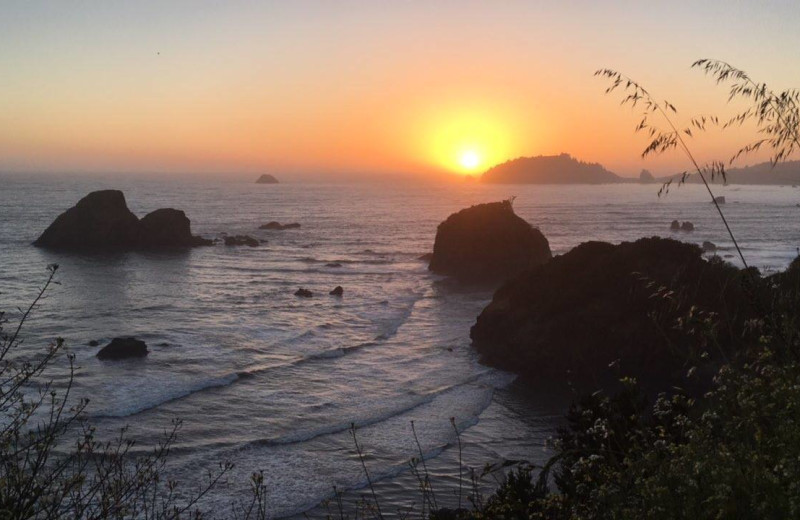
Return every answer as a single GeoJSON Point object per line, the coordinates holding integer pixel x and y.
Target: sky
{"type": "Point", "coordinates": [373, 87]}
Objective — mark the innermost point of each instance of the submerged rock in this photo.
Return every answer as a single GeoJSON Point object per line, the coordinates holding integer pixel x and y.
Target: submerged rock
{"type": "Point", "coordinates": [487, 242]}
{"type": "Point", "coordinates": [303, 293]}
{"type": "Point", "coordinates": [333, 264]}
{"type": "Point", "coordinates": [267, 179]}
{"type": "Point", "coordinates": [598, 305]}
{"type": "Point", "coordinates": [277, 226]}
{"type": "Point", "coordinates": [93, 343]}
{"type": "Point", "coordinates": [241, 240]}
{"type": "Point", "coordinates": [102, 219]}
{"type": "Point", "coordinates": [337, 291]}
{"type": "Point", "coordinates": [122, 348]}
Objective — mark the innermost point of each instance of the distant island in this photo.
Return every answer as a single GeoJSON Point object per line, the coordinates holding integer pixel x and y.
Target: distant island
{"type": "Point", "coordinates": [549, 169]}
{"type": "Point", "coordinates": [786, 173]}
{"type": "Point", "coordinates": [565, 169]}
{"type": "Point", "coordinates": [267, 179]}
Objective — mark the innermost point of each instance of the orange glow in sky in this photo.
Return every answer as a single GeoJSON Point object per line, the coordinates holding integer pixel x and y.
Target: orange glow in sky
{"type": "Point", "coordinates": [327, 88]}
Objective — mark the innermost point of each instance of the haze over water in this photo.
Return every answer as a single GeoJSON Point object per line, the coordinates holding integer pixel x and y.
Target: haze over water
{"type": "Point", "coordinates": [272, 381]}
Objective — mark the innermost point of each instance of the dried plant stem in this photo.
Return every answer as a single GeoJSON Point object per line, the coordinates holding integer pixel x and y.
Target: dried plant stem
{"type": "Point", "coordinates": [364, 466]}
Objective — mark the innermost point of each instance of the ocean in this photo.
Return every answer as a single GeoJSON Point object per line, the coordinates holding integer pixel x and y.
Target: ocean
{"type": "Point", "coordinates": [272, 382]}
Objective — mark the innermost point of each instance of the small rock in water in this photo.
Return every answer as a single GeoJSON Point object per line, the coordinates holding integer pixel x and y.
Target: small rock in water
{"type": "Point", "coordinates": [93, 343]}
{"type": "Point", "coordinates": [687, 226]}
{"type": "Point", "coordinates": [675, 226]}
{"type": "Point", "coordinates": [277, 226]}
{"type": "Point", "coordinates": [719, 200]}
{"type": "Point", "coordinates": [338, 291]}
{"type": "Point", "coordinates": [333, 264]}
{"type": "Point", "coordinates": [121, 348]}
{"type": "Point", "coordinates": [267, 179]}
{"type": "Point", "coordinates": [241, 240]}
{"type": "Point", "coordinates": [709, 246]}
{"type": "Point", "coordinates": [303, 293]}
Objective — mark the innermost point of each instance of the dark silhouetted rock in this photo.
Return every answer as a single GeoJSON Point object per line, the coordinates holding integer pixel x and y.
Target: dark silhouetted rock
{"type": "Point", "coordinates": [102, 220]}
{"type": "Point", "coordinates": [303, 293]}
{"type": "Point", "coordinates": [426, 257]}
{"type": "Point", "coordinates": [687, 226]}
{"type": "Point", "coordinates": [277, 226]}
{"type": "Point", "coordinates": [241, 240]}
{"type": "Point", "coordinates": [675, 226]}
{"type": "Point", "coordinates": [168, 227]}
{"type": "Point", "coordinates": [646, 177]}
{"type": "Point", "coordinates": [549, 169]}
{"type": "Point", "coordinates": [121, 348]}
{"type": "Point", "coordinates": [719, 200]}
{"type": "Point", "coordinates": [598, 304]}
{"type": "Point", "coordinates": [267, 179]}
{"type": "Point", "coordinates": [93, 343]}
{"type": "Point", "coordinates": [487, 242]}
{"type": "Point", "coordinates": [709, 246]}
{"type": "Point", "coordinates": [333, 264]}
{"type": "Point", "coordinates": [338, 291]}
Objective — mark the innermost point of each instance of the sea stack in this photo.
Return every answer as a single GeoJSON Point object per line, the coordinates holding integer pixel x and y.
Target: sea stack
{"type": "Point", "coordinates": [267, 179]}
{"type": "Point", "coordinates": [102, 219]}
{"type": "Point", "coordinates": [487, 242]}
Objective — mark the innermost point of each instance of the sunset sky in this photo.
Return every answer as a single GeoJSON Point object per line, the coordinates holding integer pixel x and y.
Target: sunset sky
{"type": "Point", "coordinates": [362, 87]}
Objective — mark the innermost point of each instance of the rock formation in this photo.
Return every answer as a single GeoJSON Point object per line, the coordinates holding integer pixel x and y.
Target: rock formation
{"type": "Point", "coordinates": [241, 240]}
{"type": "Point", "coordinates": [599, 304]}
{"type": "Point", "coordinates": [337, 291]}
{"type": "Point", "coordinates": [102, 219]}
{"type": "Point", "coordinates": [303, 293]}
{"type": "Point", "coordinates": [121, 348]}
{"type": "Point", "coordinates": [487, 242]}
{"type": "Point", "coordinates": [277, 226]}
{"type": "Point", "coordinates": [267, 179]}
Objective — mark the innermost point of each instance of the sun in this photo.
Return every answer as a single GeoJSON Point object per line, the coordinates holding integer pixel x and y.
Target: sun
{"type": "Point", "coordinates": [469, 159]}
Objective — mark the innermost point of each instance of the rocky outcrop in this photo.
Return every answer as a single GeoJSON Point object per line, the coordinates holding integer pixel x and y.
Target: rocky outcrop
{"type": "Point", "coordinates": [303, 293]}
{"type": "Point", "coordinates": [122, 348]}
{"type": "Point", "coordinates": [687, 226]}
{"type": "Point", "coordinates": [675, 226]}
{"type": "Point", "coordinates": [241, 240]}
{"type": "Point", "coordinates": [168, 227]}
{"type": "Point", "coordinates": [646, 177]}
{"type": "Point", "coordinates": [602, 304]}
{"type": "Point", "coordinates": [337, 291]}
{"type": "Point", "coordinates": [277, 226]}
{"type": "Point", "coordinates": [709, 247]}
{"type": "Point", "coordinates": [487, 242]}
{"type": "Point", "coordinates": [102, 220]}
{"type": "Point", "coordinates": [267, 179]}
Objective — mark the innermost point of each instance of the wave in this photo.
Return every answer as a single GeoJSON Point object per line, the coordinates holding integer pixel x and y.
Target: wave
{"type": "Point", "coordinates": [423, 399]}
{"type": "Point", "coordinates": [217, 382]}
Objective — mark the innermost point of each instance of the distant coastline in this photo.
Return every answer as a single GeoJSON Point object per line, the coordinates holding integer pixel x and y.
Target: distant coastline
{"type": "Point", "coordinates": [565, 169]}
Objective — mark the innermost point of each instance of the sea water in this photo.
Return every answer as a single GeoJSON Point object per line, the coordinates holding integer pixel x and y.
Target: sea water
{"type": "Point", "coordinates": [273, 382]}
